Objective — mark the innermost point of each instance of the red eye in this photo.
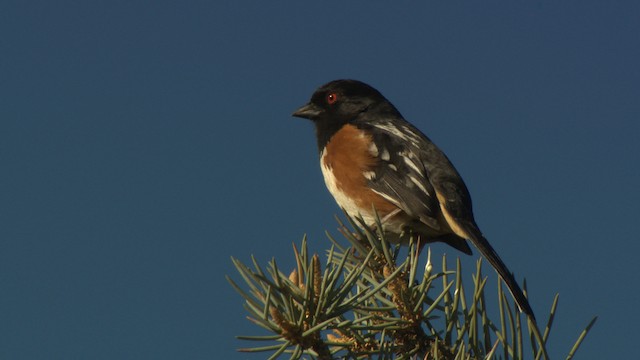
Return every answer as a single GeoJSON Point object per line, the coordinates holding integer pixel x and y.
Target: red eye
{"type": "Point", "coordinates": [332, 98]}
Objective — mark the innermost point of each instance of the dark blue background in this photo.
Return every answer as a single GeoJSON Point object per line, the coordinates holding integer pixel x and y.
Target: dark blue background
{"type": "Point", "coordinates": [144, 143]}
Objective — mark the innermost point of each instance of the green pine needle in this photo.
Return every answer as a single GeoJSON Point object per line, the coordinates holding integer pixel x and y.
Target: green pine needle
{"type": "Point", "coordinates": [366, 300]}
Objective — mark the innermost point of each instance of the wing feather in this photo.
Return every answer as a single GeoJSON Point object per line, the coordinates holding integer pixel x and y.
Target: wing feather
{"type": "Point", "coordinates": [401, 175]}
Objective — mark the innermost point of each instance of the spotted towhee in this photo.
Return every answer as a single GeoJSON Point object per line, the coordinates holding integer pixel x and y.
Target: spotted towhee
{"type": "Point", "coordinates": [372, 158]}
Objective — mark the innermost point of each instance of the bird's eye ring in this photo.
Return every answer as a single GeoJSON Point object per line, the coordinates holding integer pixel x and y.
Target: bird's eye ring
{"type": "Point", "coordinates": [332, 98]}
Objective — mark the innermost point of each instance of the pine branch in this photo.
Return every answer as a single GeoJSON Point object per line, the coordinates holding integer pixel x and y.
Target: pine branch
{"type": "Point", "coordinates": [367, 301]}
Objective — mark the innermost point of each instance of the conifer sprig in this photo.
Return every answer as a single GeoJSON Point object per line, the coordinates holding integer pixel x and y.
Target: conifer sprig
{"type": "Point", "coordinates": [369, 301]}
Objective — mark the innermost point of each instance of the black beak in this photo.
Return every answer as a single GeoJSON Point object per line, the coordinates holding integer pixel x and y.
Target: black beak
{"type": "Point", "coordinates": [308, 111]}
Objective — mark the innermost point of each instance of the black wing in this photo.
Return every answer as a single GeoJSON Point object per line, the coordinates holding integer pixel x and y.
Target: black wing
{"type": "Point", "coordinates": [401, 176]}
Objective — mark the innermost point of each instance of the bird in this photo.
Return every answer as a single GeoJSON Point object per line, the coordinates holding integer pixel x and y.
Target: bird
{"type": "Point", "coordinates": [374, 162]}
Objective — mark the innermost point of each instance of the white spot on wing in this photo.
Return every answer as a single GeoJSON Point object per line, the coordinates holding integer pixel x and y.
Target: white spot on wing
{"type": "Point", "coordinates": [387, 197]}
{"type": "Point", "coordinates": [392, 130]}
{"type": "Point", "coordinates": [373, 149]}
{"type": "Point", "coordinates": [369, 175]}
{"type": "Point", "coordinates": [402, 132]}
{"type": "Point", "coordinates": [407, 157]}
{"type": "Point", "coordinates": [419, 184]}
{"type": "Point", "coordinates": [385, 155]}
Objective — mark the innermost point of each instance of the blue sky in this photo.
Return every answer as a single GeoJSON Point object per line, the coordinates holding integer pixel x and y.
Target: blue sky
{"type": "Point", "coordinates": [144, 143]}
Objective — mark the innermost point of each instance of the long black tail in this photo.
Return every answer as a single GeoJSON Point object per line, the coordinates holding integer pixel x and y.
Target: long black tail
{"type": "Point", "coordinates": [490, 254]}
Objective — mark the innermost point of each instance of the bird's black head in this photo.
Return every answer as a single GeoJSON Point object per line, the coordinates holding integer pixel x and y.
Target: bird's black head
{"type": "Point", "coordinates": [340, 102]}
